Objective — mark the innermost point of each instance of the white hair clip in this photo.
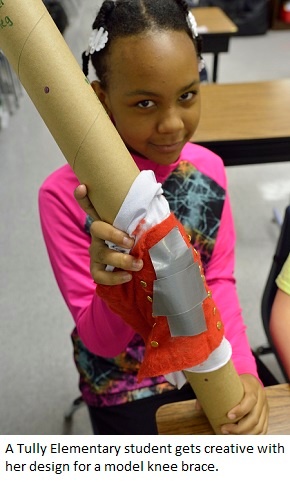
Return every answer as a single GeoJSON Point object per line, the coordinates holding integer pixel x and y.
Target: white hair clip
{"type": "Point", "coordinates": [97, 40]}
{"type": "Point", "coordinates": [191, 22]}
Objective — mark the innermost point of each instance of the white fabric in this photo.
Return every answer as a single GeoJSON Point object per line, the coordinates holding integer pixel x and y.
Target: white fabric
{"type": "Point", "coordinates": [144, 201]}
{"type": "Point", "coordinates": [217, 359]}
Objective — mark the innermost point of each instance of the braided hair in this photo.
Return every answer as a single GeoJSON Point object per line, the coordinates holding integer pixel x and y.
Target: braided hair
{"type": "Point", "coordinates": [125, 18]}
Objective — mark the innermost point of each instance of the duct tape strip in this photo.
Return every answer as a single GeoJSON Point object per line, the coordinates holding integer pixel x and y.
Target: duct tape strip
{"type": "Point", "coordinates": [179, 293]}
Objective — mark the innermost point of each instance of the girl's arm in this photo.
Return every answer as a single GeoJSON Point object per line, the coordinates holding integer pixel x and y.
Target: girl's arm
{"type": "Point", "coordinates": [103, 332]}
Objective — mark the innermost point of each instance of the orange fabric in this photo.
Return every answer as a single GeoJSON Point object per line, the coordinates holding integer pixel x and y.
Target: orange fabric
{"type": "Point", "coordinates": [163, 353]}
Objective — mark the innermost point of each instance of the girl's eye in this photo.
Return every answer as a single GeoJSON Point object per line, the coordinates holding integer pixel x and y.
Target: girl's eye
{"type": "Point", "coordinates": [145, 104]}
{"type": "Point", "coordinates": [187, 96]}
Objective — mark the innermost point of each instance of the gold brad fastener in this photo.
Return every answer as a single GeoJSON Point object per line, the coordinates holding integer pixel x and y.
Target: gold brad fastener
{"type": "Point", "coordinates": [149, 299]}
{"type": "Point", "coordinates": [202, 277]}
{"type": "Point", "coordinates": [209, 293]}
{"type": "Point", "coordinates": [143, 284]}
{"type": "Point", "coordinates": [214, 310]}
{"type": "Point", "coordinates": [154, 344]}
{"type": "Point", "coordinates": [219, 325]}
{"type": "Point", "coordinates": [189, 237]}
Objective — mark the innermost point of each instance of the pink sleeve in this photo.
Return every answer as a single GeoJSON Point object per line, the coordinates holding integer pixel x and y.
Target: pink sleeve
{"type": "Point", "coordinates": [102, 332]}
{"type": "Point", "coordinates": [220, 278]}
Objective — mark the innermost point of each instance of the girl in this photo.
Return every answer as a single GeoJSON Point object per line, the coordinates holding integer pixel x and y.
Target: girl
{"type": "Point", "coordinates": [146, 55]}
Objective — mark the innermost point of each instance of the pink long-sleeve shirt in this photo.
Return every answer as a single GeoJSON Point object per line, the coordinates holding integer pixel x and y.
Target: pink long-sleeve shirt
{"type": "Point", "coordinates": [196, 189]}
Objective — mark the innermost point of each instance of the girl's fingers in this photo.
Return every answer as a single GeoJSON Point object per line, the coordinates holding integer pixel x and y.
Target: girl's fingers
{"type": "Point", "coordinates": [252, 424]}
{"type": "Point", "coordinates": [104, 231]}
{"type": "Point", "coordinates": [101, 255]}
{"type": "Point", "coordinates": [105, 256]}
{"type": "Point", "coordinates": [251, 414]}
{"type": "Point", "coordinates": [110, 278]}
{"type": "Point", "coordinates": [84, 202]}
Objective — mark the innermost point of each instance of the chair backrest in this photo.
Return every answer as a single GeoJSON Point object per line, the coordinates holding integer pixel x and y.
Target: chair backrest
{"type": "Point", "coordinates": [281, 253]}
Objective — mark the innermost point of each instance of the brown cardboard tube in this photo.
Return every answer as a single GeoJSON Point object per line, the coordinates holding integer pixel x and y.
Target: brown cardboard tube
{"type": "Point", "coordinates": [67, 103]}
{"type": "Point", "coordinates": [218, 392]}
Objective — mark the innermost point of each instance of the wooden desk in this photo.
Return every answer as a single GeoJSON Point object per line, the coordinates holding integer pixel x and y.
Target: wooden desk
{"type": "Point", "coordinates": [181, 417]}
{"type": "Point", "coordinates": [246, 123]}
{"type": "Point", "coordinates": [219, 30]}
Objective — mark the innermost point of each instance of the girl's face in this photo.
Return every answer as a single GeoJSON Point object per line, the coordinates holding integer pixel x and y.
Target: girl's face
{"type": "Point", "coordinates": [153, 93]}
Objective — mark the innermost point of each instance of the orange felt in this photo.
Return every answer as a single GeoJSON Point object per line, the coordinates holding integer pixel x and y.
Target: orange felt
{"type": "Point", "coordinates": [163, 353]}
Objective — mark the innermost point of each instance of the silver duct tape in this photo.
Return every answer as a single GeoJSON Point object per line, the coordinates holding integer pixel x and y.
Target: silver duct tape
{"type": "Point", "coordinates": [179, 290]}
{"type": "Point", "coordinates": [184, 261]}
{"type": "Point", "coordinates": [188, 324]}
{"type": "Point", "coordinates": [170, 254]}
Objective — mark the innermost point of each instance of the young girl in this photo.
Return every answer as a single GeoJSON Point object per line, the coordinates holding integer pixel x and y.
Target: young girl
{"type": "Point", "coordinates": [146, 55]}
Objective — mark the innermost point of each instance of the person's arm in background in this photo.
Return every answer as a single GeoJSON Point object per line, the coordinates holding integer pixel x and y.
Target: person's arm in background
{"type": "Point", "coordinates": [280, 317]}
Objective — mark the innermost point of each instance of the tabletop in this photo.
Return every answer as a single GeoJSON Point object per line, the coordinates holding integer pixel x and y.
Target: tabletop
{"type": "Point", "coordinates": [182, 418]}
{"type": "Point", "coordinates": [214, 19]}
{"type": "Point", "coordinates": [251, 110]}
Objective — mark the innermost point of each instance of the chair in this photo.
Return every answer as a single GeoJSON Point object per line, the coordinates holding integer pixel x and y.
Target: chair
{"type": "Point", "coordinates": [281, 253]}
{"type": "Point", "coordinates": [74, 406]}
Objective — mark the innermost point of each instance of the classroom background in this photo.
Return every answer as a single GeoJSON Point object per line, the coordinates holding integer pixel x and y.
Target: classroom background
{"type": "Point", "coordinates": [38, 379]}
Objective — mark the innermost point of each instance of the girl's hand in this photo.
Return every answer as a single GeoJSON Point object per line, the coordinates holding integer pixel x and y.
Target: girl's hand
{"type": "Point", "coordinates": [252, 412]}
{"type": "Point", "coordinates": [100, 254]}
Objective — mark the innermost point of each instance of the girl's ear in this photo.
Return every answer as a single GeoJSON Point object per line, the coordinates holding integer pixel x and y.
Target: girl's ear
{"type": "Point", "coordinates": [101, 94]}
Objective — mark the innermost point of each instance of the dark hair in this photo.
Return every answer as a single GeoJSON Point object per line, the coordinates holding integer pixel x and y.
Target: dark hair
{"type": "Point", "coordinates": [123, 18]}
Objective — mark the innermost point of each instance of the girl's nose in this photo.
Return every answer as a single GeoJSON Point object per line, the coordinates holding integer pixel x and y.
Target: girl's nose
{"type": "Point", "coordinates": [169, 122]}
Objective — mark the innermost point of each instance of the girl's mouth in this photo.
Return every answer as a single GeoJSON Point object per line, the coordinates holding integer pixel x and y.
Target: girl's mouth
{"type": "Point", "coordinates": [168, 148]}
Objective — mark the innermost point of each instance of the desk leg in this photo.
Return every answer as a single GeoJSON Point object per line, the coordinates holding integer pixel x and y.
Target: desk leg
{"type": "Point", "coordinates": [215, 66]}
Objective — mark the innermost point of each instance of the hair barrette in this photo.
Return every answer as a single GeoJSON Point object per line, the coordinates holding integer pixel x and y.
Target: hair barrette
{"type": "Point", "coordinates": [97, 41]}
{"type": "Point", "coordinates": [191, 22]}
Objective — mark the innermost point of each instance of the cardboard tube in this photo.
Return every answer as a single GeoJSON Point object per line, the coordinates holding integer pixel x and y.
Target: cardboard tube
{"type": "Point", "coordinates": [217, 391]}
{"type": "Point", "coordinates": [67, 103]}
